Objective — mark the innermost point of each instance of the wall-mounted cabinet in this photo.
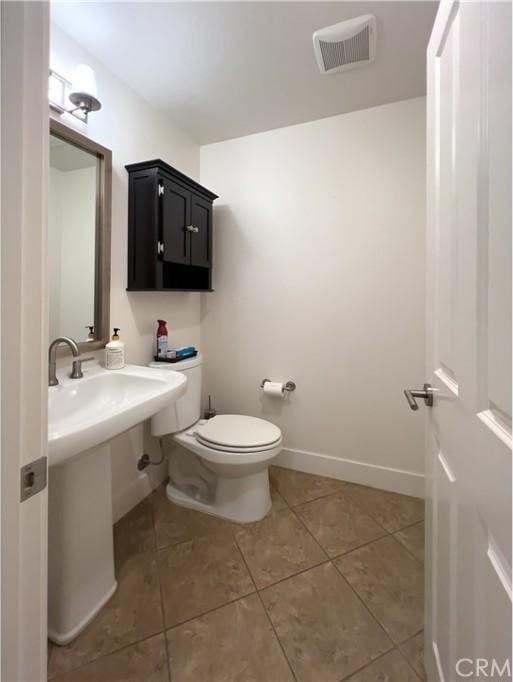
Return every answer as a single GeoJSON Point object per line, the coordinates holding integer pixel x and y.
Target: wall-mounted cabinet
{"type": "Point", "coordinates": [170, 222]}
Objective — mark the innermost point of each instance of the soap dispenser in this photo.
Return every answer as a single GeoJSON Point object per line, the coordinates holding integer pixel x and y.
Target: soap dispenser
{"type": "Point", "coordinates": [115, 352]}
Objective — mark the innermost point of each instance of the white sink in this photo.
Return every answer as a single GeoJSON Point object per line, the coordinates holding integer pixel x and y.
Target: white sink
{"type": "Point", "coordinates": [83, 413]}
{"type": "Point", "coordinates": [83, 416]}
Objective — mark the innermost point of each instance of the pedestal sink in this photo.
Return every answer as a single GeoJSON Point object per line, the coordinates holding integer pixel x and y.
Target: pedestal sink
{"type": "Point", "coordinates": [84, 415]}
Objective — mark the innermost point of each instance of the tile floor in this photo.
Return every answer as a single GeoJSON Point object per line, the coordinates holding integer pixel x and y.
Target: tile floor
{"type": "Point", "coordinates": [328, 587]}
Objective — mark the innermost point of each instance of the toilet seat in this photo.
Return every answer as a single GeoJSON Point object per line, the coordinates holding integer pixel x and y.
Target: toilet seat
{"type": "Point", "coordinates": [238, 433]}
{"type": "Point", "coordinates": [222, 454]}
{"type": "Point", "coordinates": [233, 449]}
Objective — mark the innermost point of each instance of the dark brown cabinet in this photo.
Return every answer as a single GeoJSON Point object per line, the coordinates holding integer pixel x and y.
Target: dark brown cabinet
{"type": "Point", "coordinates": [169, 230]}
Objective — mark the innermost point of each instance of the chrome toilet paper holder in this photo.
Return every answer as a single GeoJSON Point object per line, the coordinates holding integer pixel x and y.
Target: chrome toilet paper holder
{"type": "Point", "coordinates": [287, 386]}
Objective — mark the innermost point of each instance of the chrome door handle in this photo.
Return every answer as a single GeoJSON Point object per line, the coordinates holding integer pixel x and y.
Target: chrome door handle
{"type": "Point", "coordinates": [191, 228]}
{"type": "Point", "coordinates": [426, 393]}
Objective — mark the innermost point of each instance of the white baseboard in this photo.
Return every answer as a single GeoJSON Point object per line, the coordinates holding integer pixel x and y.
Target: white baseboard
{"type": "Point", "coordinates": [373, 475]}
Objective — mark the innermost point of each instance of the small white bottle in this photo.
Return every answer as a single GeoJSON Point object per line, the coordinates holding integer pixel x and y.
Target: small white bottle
{"type": "Point", "coordinates": [115, 352]}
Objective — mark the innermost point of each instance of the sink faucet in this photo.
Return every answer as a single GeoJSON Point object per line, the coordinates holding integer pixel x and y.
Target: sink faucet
{"type": "Point", "coordinates": [76, 370]}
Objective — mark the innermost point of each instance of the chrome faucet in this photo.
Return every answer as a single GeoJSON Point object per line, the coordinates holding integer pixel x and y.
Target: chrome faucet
{"type": "Point", "coordinates": [76, 369]}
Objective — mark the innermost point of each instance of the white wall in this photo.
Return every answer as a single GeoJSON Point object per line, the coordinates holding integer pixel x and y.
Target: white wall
{"type": "Point", "coordinates": [319, 278]}
{"type": "Point", "coordinates": [135, 132]}
{"type": "Point", "coordinates": [319, 261]}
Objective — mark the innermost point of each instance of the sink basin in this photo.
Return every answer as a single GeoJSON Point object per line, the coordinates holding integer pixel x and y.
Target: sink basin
{"type": "Point", "coordinates": [83, 416]}
{"type": "Point", "coordinates": [83, 413]}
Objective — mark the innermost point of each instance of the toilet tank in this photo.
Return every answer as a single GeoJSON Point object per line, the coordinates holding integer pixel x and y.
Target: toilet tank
{"type": "Point", "coordinates": [186, 410]}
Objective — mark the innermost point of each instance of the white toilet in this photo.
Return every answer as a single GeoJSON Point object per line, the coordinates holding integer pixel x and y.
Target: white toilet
{"type": "Point", "coordinates": [223, 467]}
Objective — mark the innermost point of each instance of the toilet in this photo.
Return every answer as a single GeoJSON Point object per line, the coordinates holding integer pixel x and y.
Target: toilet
{"type": "Point", "coordinates": [222, 465]}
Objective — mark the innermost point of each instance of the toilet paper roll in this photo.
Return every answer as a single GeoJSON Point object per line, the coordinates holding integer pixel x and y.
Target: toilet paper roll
{"type": "Point", "coordinates": [274, 388]}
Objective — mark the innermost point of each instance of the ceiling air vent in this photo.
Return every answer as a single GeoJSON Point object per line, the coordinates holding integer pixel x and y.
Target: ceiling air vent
{"type": "Point", "coordinates": [346, 45]}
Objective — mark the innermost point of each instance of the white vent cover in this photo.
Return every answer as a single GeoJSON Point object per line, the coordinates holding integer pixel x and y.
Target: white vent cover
{"type": "Point", "coordinates": [346, 44]}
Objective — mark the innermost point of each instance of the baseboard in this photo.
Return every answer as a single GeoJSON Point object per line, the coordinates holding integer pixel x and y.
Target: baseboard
{"type": "Point", "coordinates": [373, 475]}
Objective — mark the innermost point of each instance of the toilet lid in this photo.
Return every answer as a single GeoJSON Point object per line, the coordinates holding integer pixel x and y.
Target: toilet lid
{"type": "Point", "coordinates": [236, 430]}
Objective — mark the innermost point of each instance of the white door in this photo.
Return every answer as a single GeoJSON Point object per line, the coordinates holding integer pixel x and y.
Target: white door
{"type": "Point", "coordinates": [468, 582]}
{"type": "Point", "coordinates": [24, 143]}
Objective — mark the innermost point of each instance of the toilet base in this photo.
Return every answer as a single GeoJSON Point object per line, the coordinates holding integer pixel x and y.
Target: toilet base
{"type": "Point", "coordinates": [244, 500]}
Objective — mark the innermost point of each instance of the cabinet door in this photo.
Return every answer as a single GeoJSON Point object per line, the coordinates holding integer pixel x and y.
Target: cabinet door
{"type": "Point", "coordinates": [175, 217]}
{"type": "Point", "coordinates": [201, 238]}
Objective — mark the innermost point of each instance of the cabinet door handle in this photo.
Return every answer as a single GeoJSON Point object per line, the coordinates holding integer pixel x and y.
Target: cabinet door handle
{"type": "Point", "coordinates": [160, 247]}
{"type": "Point", "coordinates": [191, 228]}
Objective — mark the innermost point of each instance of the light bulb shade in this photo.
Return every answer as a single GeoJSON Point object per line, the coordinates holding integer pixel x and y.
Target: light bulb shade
{"type": "Point", "coordinates": [84, 81]}
{"type": "Point", "coordinates": [83, 90]}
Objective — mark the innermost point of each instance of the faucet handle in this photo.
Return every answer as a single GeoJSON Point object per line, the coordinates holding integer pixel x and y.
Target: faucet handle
{"type": "Point", "coordinates": [76, 370]}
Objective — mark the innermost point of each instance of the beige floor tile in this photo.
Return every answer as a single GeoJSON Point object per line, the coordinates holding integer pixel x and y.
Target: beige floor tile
{"type": "Point", "coordinates": [413, 539]}
{"type": "Point", "coordinates": [132, 614]}
{"type": "Point", "coordinates": [413, 649]}
{"type": "Point", "coordinates": [297, 487]}
{"type": "Point", "coordinates": [134, 533]}
{"type": "Point", "coordinates": [278, 501]}
{"type": "Point", "coordinates": [142, 662]}
{"type": "Point", "coordinates": [389, 668]}
{"type": "Point", "coordinates": [235, 643]}
{"type": "Point", "coordinates": [278, 547]}
{"type": "Point", "coordinates": [200, 575]}
{"type": "Point", "coordinates": [338, 524]}
{"type": "Point", "coordinates": [390, 510]}
{"type": "Point", "coordinates": [390, 581]}
{"type": "Point", "coordinates": [174, 524]}
{"type": "Point", "coordinates": [323, 627]}
{"type": "Point", "coordinates": [326, 631]}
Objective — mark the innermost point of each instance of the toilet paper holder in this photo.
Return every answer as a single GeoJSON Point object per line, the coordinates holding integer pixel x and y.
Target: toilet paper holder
{"type": "Point", "coordinates": [287, 386]}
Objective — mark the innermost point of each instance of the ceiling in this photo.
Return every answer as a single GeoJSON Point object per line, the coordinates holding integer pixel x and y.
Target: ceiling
{"type": "Point", "coordinates": [227, 69]}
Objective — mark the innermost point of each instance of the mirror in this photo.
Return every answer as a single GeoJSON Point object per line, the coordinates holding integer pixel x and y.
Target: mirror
{"type": "Point", "coordinates": [78, 237]}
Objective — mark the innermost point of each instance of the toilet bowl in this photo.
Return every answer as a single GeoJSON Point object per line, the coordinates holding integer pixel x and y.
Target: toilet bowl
{"type": "Point", "coordinates": [222, 464]}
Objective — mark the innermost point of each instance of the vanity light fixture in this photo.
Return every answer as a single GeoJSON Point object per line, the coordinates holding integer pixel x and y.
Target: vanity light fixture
{"type": "Point", "coordinates": [82, 92]}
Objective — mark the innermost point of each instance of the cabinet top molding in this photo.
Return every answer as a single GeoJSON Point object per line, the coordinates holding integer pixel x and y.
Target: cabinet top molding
{"type": "Point", "coordinates": [166, 168]}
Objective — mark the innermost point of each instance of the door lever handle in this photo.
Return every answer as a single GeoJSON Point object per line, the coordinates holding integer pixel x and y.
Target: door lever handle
{"type": "Point", "coordinates": [426, 393]}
